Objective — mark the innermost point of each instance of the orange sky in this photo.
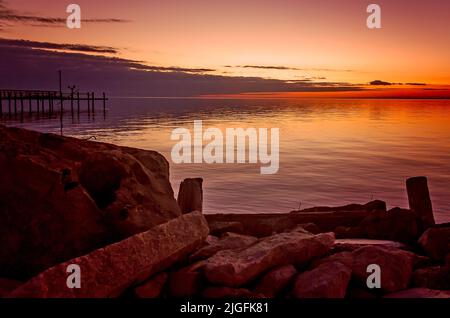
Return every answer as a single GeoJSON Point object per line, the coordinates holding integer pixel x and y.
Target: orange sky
{"type": "Point", "coordinates": [321, 40]}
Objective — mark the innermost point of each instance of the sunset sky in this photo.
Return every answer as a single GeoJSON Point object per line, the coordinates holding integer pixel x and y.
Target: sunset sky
{"type": "Point", "coordinates": [291, 41]}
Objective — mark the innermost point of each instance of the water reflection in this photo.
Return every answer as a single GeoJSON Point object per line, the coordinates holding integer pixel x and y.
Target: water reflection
{"type": "Point", "coordinates": [331, 151]}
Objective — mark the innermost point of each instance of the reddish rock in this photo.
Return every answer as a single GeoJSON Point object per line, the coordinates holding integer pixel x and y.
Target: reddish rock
{"type": "Point", "coordinates": [275, 281]}
{"type": "Point", "coordinates": [437, 277]}
{"type": "Point", "coordinates": [151, 288]}
{"type": "Point", "coordinates": [396, 266]}
{"type": "Point", "coordinates": [227, 292]}
{"type": "Point", "coordinates": [329, 280]}
{"type": "Point", "coordinates": [266, 224]}
{"type": "Point", "coordinates": [310, 227]}
{"type": "Point", "coordinates": [184, 283]}
{"type": "Point", "coordinates": [345, 258]}
{"type": "Point", "coordinates": [395, 225]}
{"type": "Point", "coordinates": [190, 195]}
{"type": "Point", "coordinates": [436, 242]}
{"type": "Point", "coordinates": [7, 286]}
{"type": "Point", "coordinates": [63, 197]}
{"type": "Point", "coordinates": [353, 244]}
{"type": "Point", "coordinates": [347, 232]}
{"type": "Point", "coordinates": [228, 242]}
{"type": "Point", "coordinates": [238, 267]}
{"type": "Point", "coordinates": [211, 239]}
{"type": "Point", "coordinates": [219, 228]}
{"type": "Point", "coordinates": [370, 206]}
{"type": "Point", "coordinates": [108, 271]}
{"type": "Point", "coordinates": [419, 293]}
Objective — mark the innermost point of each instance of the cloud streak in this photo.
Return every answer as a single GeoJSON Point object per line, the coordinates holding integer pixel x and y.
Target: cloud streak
{"type": "Point", "coordinates": [56, 46]}
{"type": "Point", "coordinates": [286, 68]}
{"type": "Point", "coordinates": [9, 16]}
{"type": "Point", "coordinates": [384, 83]}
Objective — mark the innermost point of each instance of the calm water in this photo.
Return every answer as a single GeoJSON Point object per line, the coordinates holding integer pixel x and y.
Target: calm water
{"type": "Point", "coordinates": [332, 152]}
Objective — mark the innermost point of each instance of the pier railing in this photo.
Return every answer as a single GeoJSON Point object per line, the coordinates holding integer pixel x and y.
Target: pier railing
{"type": "Point", "coordinates": [14, 101]}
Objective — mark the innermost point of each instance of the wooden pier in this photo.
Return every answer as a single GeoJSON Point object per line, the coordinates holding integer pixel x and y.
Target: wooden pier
{"type": "Point", "coordinates": [20, 102]}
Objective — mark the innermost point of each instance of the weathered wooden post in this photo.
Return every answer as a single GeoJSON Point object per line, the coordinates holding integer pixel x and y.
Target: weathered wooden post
{"type": "Point", "coordinates": [104, 103]}
{"type": "Point", "coordinates": [49, 96]}
{"type": "Point", "coordinates": [61, 112]}
{"type": "Point", "coordinates": [9, 104]}
{"type": "Point", "coordinates": [190, 195]}
{"type": "Point", "coordinates": [15, 103]}
{"type": "Point", "coordinates": [62, 102]}
{"type": "Point", "coordinates": [89, 103]}
{"type": "Point", "coordinates": [78, 103]}
{"type": "Point", "coordinates": [93, 103]}
{"type": "Point", "coordinates": [29, 104]}
{"type": "Point", "coordinates": [41, 103]}
{"type": "Point", "coordinates": [419, 201]}
{"type": "Point", "coordinates": [71, 103]}
{"type": "Point", "coordinates": [37, 103]}
{"type": "Point", "coordinates": [52, 99]}
{"type": "Point", "coordinates": [21, 104]}
{"type": "Point", "coordinates": [1, 104]}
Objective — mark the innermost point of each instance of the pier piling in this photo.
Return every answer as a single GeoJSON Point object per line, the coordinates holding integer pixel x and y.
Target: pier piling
{"type": "Point", "coordinates": [93, 104]}
{"type": "Point", "coordinates": [9, 104]}
{"type": "Point", "coordinates": [78, 103]}
{"type": "Point", "coordinates": [21, 104]}
{"type": "Point", "coordinates": [104, 102]}
{"type": "Point", "coordinates": [15, 104]}
{"type": "Point", "coordinates": [71, 104]}
{"type": "Point", "coordinates": [89, 103]}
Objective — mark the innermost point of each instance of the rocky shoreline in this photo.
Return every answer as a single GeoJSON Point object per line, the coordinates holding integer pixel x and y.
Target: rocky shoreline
{"type": "Point", "coordinates": [111, 210]}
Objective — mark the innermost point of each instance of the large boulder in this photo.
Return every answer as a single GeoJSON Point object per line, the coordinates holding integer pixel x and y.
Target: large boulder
{"type": "Point", "coordinates": [436, 242]}
{"type": "Point", "coordinates": [396, 266]}
{"type": "Point", "coordinates": [344, 257]}
{"type": "Point", "coordinates": [435, 277]}
{"type": "Point", "coordinates": [64, 197]}
{"type": "Point", "coordinates": [184, 283]}
{"type": "Point", "coordinates": [238, 267]}
{"type": "Point", "coordinates": [329, 280]}
{"type": "Point", "coordinates": [151, 288]}
{"type": "Point", "coordinates": [108, 271]}
{"type": "Point", "coordinates": [276, 280]}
